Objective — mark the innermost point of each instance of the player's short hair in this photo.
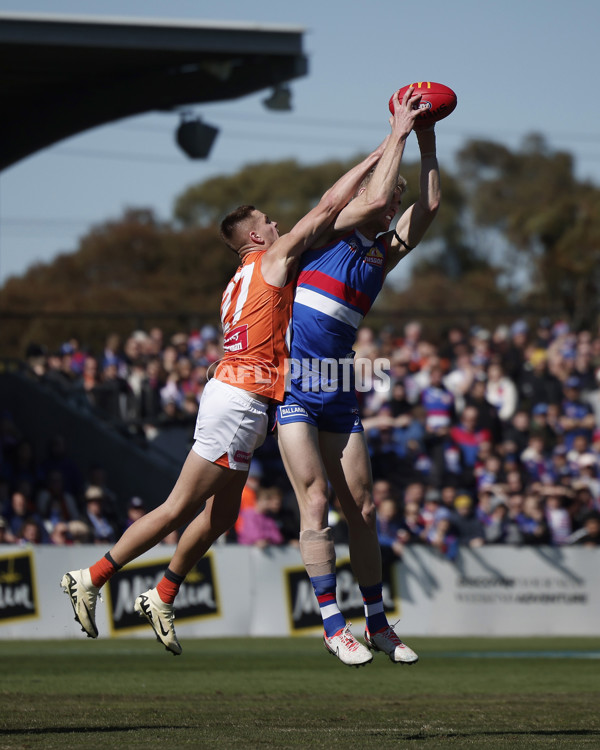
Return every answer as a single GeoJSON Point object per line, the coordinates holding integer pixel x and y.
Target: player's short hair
{"type": "Point", "coordinates": [231, 223]}
{"type": "Point", "coordinates": [367, 178]}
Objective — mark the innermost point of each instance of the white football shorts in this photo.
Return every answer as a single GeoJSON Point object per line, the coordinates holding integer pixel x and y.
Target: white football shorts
{"type": "Point", "coordinates": [230, 426]}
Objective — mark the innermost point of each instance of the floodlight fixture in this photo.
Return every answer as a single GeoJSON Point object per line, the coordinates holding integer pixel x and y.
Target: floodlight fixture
{"type": "Point", "coordinates": [194, 137]}
{"type": "Point", "coordinates": [280, 98]}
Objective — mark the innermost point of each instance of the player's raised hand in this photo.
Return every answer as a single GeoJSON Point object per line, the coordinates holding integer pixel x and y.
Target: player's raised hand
{"type": "Point", "coordinates": [405, 111]}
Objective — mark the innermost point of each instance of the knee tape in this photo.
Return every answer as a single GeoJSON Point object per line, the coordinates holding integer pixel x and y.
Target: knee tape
{"type": "Point", "coordinates": [318, 552]}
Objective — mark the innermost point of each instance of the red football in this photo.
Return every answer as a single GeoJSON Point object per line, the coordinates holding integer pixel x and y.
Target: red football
{"type": "Point", "coordinates": [437, 100]}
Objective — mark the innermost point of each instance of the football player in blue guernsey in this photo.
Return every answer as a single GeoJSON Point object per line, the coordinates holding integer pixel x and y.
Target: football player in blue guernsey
{"type": "Point", "coordinates": [320, 434]}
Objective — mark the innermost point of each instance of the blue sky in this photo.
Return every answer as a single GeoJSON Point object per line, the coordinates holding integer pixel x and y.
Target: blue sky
{"type": "Point", "coordinates": [517, 67]}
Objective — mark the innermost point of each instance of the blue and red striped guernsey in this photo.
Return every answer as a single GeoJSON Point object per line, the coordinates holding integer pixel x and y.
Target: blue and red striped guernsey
{"type": "Point", "coordinates": [337, 285]}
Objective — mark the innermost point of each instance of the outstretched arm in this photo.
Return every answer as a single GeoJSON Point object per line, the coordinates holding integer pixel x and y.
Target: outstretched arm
{"type": "Point", "coordinates": [379, 190]}
{"type": "Point", "coordinates": [284, 252]}
{"type": "Point", "coordinates": [415, 221]}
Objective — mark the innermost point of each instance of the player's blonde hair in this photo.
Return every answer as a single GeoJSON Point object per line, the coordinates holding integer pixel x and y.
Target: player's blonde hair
{"type": "Point", "coordinates": [367, 178]}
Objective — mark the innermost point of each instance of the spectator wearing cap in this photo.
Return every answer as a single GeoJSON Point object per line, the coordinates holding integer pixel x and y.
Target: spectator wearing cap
{"type": "Point", "coordinates": [101, 528]}
{"type": "Point", "coordinates": [135, 510]}
{"type": "Point", "coordinates": [79, 532]}
{"type": "Point", "coordinates": [60, 534]}
{"type": "Point", "coordinates": [577, 417]}
{"type": "Point", "coordinates": [467, 526]}
{"type": "Point", "coordinates": [535, 383]}
{"type": "Point", "coordinates": [97, 477]}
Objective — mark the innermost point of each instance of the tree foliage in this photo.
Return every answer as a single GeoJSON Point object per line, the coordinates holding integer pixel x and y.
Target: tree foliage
{"type": "Point", "coordinates": [139, 267]}
{"type": "Point", "coordinates": [532, 197]}
{"type": "Point", "coordinates": [132, 265]}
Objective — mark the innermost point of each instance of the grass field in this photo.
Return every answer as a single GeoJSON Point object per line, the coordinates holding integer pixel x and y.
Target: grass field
{"type": "Point", "coordinates": [289, 693]}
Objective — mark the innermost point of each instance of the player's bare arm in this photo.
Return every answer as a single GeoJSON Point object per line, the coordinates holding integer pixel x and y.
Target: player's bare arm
{"type": "Point", "coordinates": [415, 221]}
{"type": "Point", "coordinates": [279, 261]}
{"type": "Point", "coordinates": [375, 197]}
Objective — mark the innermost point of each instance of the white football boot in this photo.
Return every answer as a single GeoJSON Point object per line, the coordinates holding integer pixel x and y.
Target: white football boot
{"type": "Point", "coordinates": [78, 586]}
{"type": "Point", "coordinates": [160, 616]}
{"type": "Point", "coordinates": [347, 649]}
{"type": "Point", "coordinates": [388, 642]}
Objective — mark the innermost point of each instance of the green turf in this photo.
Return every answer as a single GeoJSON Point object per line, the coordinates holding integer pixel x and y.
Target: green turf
{"type": "Point", "coordinates": [289, 693]}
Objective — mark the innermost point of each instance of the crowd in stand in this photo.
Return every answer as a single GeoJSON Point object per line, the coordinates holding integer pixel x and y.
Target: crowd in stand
{"type": "Point", "coordinates": [489, 437]}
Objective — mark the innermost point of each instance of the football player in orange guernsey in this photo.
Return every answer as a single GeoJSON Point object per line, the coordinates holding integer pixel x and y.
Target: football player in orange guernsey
{"type": "Point", "coordinates": [233, 415]}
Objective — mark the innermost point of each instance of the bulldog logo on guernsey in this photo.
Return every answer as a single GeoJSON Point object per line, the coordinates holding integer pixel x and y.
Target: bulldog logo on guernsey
{"type": "Point", "coordinates": [374, 257]}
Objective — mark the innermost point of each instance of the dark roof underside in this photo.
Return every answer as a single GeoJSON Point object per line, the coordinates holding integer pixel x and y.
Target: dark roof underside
{"type": "Point", "coordinates": [61, 76]}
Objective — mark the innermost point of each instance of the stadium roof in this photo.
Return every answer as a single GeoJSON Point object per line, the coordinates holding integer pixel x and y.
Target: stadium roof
{"type": "Point", "coordinates": [60, 75]}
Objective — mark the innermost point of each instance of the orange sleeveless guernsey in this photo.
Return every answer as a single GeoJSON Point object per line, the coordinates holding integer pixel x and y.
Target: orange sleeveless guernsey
{"type": "Point", "coordinates": [255, 317]}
